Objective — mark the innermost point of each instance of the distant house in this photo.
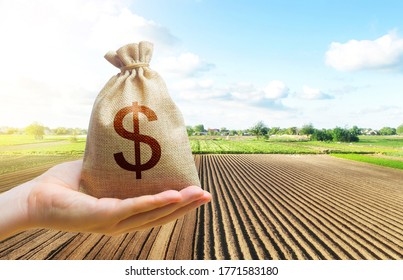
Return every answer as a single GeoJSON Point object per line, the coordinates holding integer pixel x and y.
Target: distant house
{"type": "Point", "coordinates": [213, 131]}
{"type": "Point", "coordinates": [370, 132]}
{"type": "Point", "coordinates": [199, 133]}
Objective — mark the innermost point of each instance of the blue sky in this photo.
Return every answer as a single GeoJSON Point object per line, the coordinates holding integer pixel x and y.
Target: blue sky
{"type": "Point", "coordinates": [226, 63]}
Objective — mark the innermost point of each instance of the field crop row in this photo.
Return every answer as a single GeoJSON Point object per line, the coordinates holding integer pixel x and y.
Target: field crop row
{"type": "Point", "coordinates": [221, 146]}
{"type": "Point", "coordinates": [13, 163]}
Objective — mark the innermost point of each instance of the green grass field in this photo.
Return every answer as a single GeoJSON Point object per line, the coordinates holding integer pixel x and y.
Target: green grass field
{"type": "Point", "coordinates": [30, 152]}
{"type": "Point", "coordinates": [392, 145]}
{"type": "Point", "coordinates": [49, 145]}
{"type": "Point", "coordinates": [19, 152]}
{"type": "Point", "coordinates": [369, 149]}
{"type": "Point", "coordinates": [11, 163]}
{"type": "Point", "coordinates": [12, 140]}
{"type": "Point", "coordinates": [221, 146]}
{"type": "Point", "coordinates": [373, 160]}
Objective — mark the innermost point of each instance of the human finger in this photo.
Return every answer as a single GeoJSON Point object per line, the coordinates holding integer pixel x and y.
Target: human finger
{"type": "Point", "coordinates": [189, 195]}
{"type": "Point", "coordinates": [178, 213]}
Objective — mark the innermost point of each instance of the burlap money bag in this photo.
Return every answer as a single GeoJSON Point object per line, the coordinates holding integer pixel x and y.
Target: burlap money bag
{"type": "Point", "coordinates": [137, 142]}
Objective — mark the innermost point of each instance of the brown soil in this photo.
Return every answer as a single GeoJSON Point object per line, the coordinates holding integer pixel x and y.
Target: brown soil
{"type": "Point", "coordinates": [264, 207]}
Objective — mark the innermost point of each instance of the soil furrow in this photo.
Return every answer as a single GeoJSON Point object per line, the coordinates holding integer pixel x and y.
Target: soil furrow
{"type": "Point", "coordinates": [369, 222]}
{"type": "Point", "coordinates": [330, 190]}
{"type": "Point", "coordinates": [242, 228]}
{"type": "Point", "coordinates": [135, 245]}
{"type": "Point", "coordinates": [145, 249]}
{"type": "Point", "coordinates": [302, 204]}
{"type": "Point", "coordinates": [210, 227]}
{"type": "Point", "coordinates": [160, 246]}
{"type": "Point", "coordinates": [225, 208]}
{"type": "Point", "coordinates": [306, 233]}
{"type": "Point", "coordinates": [374, 192]}
{"type": "Point", "coordinates": [35, 245]}
{"type": "Point", "coordinates": [269, 242]}
{"type": "Point", "coordinates": [50, 243]}
{"type": "Point", "coordinates": [186, 237]}
{"type": "Point", "coordinates": [291, 227]}
{"type": "Point", "coordinates": [337, 208]}
{"type": "Point", "coordinates": [109, 248]}
{"type": "Point", "coordinates": [126, 242]}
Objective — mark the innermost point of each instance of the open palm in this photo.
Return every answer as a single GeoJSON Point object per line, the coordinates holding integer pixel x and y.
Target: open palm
{"type": "Point", "coordinates": [53, 201]}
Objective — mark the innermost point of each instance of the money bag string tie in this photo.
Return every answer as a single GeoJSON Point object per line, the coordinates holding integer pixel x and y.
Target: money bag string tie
{"type": "Point", "coordinates": [134, 66]}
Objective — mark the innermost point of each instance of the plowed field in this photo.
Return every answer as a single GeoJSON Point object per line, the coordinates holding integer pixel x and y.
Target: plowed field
{"type": "Point", "coordinates": [264, 207]}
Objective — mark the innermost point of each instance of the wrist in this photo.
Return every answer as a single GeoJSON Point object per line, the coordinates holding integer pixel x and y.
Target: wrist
{"type": "Point", "coordinates": [14, 216]}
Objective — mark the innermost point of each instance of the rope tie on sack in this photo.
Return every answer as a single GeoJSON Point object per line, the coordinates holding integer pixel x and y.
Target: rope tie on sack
{"type": "Point", "coordinates": [134, 66]}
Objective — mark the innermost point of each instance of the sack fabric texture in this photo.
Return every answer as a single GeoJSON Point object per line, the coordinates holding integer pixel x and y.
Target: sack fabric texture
{"type": "Point", "coordinates": [137, 142]}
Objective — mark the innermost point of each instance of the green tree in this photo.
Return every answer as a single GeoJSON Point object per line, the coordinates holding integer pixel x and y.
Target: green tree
{"type": "Point", "coordinates": [355, 130]}
{"type": "Point", "coordinates": [233, 132]}
{"type": "Point", "coordinates": [60, 131]}
{"type": "Point", "coordinates": [12, 130]}
{"type": "Point", "coordinates": [292, 130]}
{"type": "Point", "coordinates": [344, 135]}
{"type": "Point", "coordinates": [212, 132]}
{"type": "Point", "coordinates": [274, 130]}
{"type": "Point", "coordinates": [322, 135]}
{"type": "Point", "coordinates": [224, 131]}
{"type": "Point", "coordinates": [307, 129]}
{"type": "Point", "coordinates": [199, 128]}
{"type": "Point", "coordinates": [387, 131]}
{"type": "Point", "coordinates": [35, 129]}
{"type": "Point", "coordinates": [259, 129]}
{"type": "Point", "coordinates": [189, 130]}
{"type": "Point", "coordinates": [399, 129]}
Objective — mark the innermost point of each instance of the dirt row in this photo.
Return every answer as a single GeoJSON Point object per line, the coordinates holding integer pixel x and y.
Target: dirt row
{"type": "Point", "coordinates": [264, 207]}
{"type": "Point", "coordinates": [300, 207]}
{"type": "Point", "coordinates": [12, 179]}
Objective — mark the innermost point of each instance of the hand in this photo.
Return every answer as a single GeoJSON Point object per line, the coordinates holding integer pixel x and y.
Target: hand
{"type": "Point", "coordinates": [53, 201]}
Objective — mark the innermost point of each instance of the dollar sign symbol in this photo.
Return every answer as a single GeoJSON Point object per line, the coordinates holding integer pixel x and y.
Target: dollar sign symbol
{"type": "Point", "coordinates": [137, 138]}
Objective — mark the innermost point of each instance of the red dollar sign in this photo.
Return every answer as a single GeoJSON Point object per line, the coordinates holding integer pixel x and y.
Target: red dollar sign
{"type": "Point", "coordinates": [137, 138]}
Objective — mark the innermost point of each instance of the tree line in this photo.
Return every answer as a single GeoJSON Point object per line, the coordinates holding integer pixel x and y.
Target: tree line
{"type": "Point", "coordinates": [261, 130]}
{"type": "Point", "coordinates": [38, 130]}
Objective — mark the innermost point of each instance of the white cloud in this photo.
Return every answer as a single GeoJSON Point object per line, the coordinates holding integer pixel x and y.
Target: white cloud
{"type": "Point", "coordinates": [383, 110]}
{"type": "Point", "coordinates": [232, 114]}
{"type": "Point", "coordinates": [238, 94]}
{"type": "Point", "coordinates": [196, 89]}
{"type": "Point", "coordinates": [314, 93]}
{"type": "Point", "coordinates": [120, 27]}
{"type": "Point", "coordinates": [383, 53]}
{"type": "Point", "coordinates": [276, 89]}
{"type": "Point", "coordinates": [246, 92]}
{"type": "Point", "coordinates": [345, 89]}
{"type": "Point", "coordinates": [184, 65]}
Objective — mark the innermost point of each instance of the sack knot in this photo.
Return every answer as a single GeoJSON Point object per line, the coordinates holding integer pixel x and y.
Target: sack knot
{"type": "Point", "coordinates": [134, 66]}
